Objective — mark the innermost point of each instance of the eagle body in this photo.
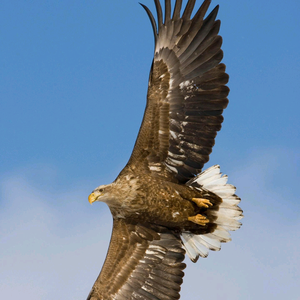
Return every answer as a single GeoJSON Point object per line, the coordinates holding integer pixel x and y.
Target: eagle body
{"type": "Point", "coordinates": [163, 204]}
{"type": "Point", "coordinates": [152, 200]}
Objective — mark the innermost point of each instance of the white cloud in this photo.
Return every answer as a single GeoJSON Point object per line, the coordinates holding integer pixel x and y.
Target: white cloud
{"type": "Point", "coordinates": [52, 247]}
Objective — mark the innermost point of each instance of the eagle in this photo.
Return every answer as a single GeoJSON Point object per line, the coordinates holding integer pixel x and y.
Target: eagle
{"type": "Point", "coordinates": [163, 205]}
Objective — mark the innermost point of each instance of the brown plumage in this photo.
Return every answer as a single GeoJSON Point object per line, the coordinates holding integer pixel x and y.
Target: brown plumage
{"type": "Point", "coordinates": [161, 208]}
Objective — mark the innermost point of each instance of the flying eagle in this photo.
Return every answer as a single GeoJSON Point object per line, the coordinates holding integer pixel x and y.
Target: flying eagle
{"type": "Point", "coordinates": [162, 205]}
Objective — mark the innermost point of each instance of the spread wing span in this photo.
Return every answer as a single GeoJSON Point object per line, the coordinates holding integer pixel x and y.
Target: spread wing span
{"type": "Point", "coordinates": [186, 95]}
{"type": "Point", "coordinates": [141, 263]}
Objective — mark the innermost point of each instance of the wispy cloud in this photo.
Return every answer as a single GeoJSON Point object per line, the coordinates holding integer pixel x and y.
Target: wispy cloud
{"type": "Point", "coordinates": [49, 251]}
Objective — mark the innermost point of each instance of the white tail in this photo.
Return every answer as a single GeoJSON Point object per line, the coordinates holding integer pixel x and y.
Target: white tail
{"type": "Point", "coordinates": [227, 215]}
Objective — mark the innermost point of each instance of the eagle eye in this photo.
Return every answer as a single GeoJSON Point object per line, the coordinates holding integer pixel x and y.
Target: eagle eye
{"type": "Point", "coordinates": [101, 190]}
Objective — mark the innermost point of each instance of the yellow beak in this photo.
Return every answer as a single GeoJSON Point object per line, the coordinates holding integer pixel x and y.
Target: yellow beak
{"type": "Point", "coordinates": [92, 198]}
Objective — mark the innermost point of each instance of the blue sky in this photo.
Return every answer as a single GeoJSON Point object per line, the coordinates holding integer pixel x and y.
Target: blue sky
{"type": "Point", "coordinates": [73, 83]}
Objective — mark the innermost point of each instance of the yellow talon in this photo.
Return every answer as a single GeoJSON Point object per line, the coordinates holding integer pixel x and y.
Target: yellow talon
{"type": "Point", "coordinates": [199, 219]}
{"type": "Point", "coordinates": [202, 202]}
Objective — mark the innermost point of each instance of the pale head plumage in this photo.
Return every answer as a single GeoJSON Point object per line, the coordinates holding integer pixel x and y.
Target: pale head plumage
{"type": "Point", "coordinates": [113, 194]}
{"type": "Point", "coordinates": [104, 193]}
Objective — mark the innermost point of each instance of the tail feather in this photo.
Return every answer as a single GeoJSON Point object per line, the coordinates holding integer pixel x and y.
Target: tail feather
{"type": "Point", "coordinates": [212, 244]}
{"type": "Point", "coordinates": [231, 201]}
{"type": "Point", "coordinates": [221, 234]}
{"type": "Point", "coordinates": [217, 181]}
{"type": "Point", "coordinates": [207, 174]}
{"type": "Point", "coordinates": [226, 216]}
{"type": "Point", "coordinates": [193, 248]}
{"type": "Point", "coordinates": [222, 190]}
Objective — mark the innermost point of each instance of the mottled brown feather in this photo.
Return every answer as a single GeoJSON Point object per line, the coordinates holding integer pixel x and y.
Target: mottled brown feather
{"type": "Point", "coordinates": [187, 91]}
{"type": "Point", "coordinates": [141, 263]}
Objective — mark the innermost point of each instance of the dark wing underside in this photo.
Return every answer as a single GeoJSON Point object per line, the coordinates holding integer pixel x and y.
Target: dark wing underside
{"type": "Point", "coordinates": [186, 96]}
{"type": "Point", "coordinates": [141, 263]}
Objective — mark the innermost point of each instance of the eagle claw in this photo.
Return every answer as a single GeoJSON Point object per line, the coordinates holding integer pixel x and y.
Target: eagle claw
{"type": "Point", "coordinates": [199, 219]}
{"type": "Point", "coordinates": [202, 202]}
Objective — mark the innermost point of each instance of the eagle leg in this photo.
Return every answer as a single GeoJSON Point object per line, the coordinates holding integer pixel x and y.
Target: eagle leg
{"type": "Point", "coordinates": [199, 219]}
{"type": "Point", "coordinates": [202, 202]}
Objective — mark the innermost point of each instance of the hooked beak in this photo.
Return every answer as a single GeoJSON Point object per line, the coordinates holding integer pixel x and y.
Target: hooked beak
{"type": "Point", "coordinates": [93, 197]}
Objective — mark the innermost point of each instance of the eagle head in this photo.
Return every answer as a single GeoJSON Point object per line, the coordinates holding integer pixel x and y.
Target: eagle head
{"type": "Point", "coordinates": [102, 193]}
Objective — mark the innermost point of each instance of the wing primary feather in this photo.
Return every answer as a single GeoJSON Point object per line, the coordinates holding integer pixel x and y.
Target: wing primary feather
{"type": "Point", "coordinates": [207, 66]}
{"type": "Point", "coordinates": [207, 40]}
{"type": "Point", "coordinates": [167, 10]}
{"type": "Point", "coordinates": [159, 13]}
{"type": "Point", "coordinates": [201, 11]}
{"type": "Point", "coordinates": [177, 9]}
{"type": "Point", "coordinates": [197, 20]}
{"type": "Point", "coordinates": [188, 10]}
{"type": "Point", "coordinates": [195, 37]}
{"type": "Point", "coordinates": [152, 20]}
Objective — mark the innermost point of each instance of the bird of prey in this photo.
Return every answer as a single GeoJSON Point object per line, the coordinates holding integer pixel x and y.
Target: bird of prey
{"type": "Point", "coordinates": [163, 205]}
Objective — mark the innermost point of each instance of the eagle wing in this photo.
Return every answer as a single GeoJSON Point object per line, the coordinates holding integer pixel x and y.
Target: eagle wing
{"type": "Point", "coordinates": [186, 95]}
{"type": "Point", "coordinates": [141, 263]}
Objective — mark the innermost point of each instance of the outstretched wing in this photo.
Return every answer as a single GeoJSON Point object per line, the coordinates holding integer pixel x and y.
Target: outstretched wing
{"type": "Point", "coordinates": [187, 93]}
{"type": "Point", "coordinates": [141, 263]}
